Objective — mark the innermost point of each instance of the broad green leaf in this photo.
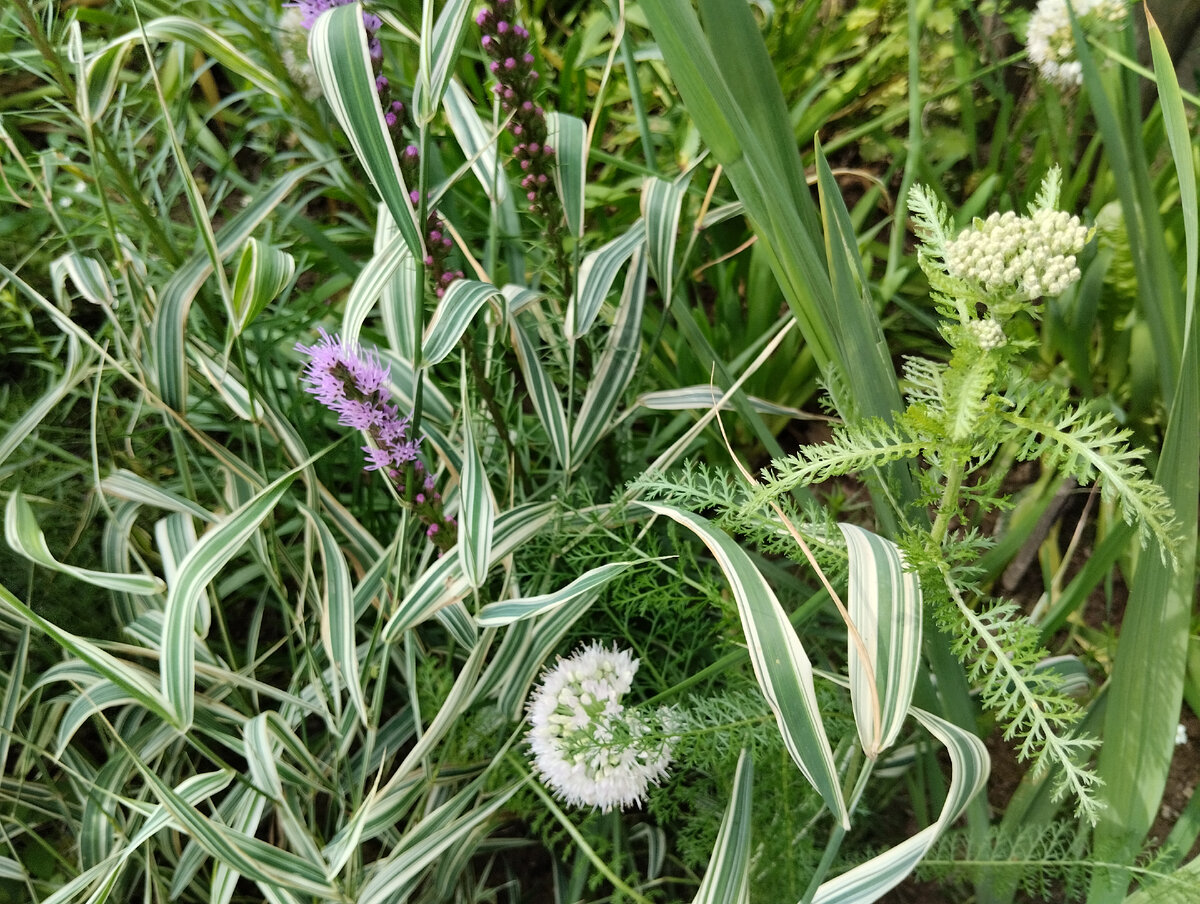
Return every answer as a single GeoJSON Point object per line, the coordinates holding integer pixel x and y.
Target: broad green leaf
{"type": "Point", "coordinates": [262, 274]}
{"type": "Point", "coordinates": [596, 276]}
{"type": "Point", "coordinates": [337, 47]}
{"type": "Point", "coordinates": [617, 365]}
{"type": "Point", "coordinates": [567, 135]}
{"type": "Point", "coordinates": [477, 508]}
{"type": "Point", "coordinates": [727, 879]}
{"type": "Point", "coordinates": [22, 533]}
{"type": "Point", "coordinates": [455, 311]}
{"type": "Point", "coordinates": [885, 608]}
{"type": "Point", "coordinates": [780, 664]}
{"type": "Point", "coordinates": [495, 615]}
{"type": "Point", "coordinates": [210, 555]}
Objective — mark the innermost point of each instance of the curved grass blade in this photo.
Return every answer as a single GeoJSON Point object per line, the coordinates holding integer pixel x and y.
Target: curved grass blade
{"type": "Point", "coordinates": [210, 555]}
{"type": "Point", "coordinates": [662, 202]}
{"type": "Point", "coordinates": [72, 373]}
{"type": "Point", "coordinates": [969, 767]}
{"type": "Point", "coordinates": [727, 879]}
{"type": "Point", "coordinates": [495, 615]}
{"type": "Point", "coordinates": [885, 606]}
{"type": "Point", "coordinates": [596, 275]}
{"type": "Point", "coordinates": [385, 265]}
{"type": "Point", "coordinates": [90, 277]}
{"type": "Point", "coordinates": [476, 140]}
{"type": "Point", "coordinates": [439, 49]}
{"type": "Point", "coordinates": [616, 367]}
{"type": "Point", "coordinates": [262, 274]}
{"type": "Point", "coordinates": [454, 314]}
{"type": "Point", "coordinates": [22, 533]}
{"type": "Point", "coordinates": [477, 509]}
{"type": "Point", "coordinates": [337, 47]}
{"type": "Point", "coordinates": [568, 136]}
{"type": "Point", "coordinates": [780, 663]}
{"type": "Point", "coordinates": [542, 393]}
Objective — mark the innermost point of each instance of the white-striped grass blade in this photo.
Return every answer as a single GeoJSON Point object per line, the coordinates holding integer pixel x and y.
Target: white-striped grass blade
{"type": "Point", "coordinates": [89, 276]}
{"type": "Point", "coordinates": [337, 47]}
{"type": "Point", "coordinates": [542, 393]}
{"type": "Point", "coordinates": [477, 508]}
{"type": "Point", "coordinates": [174, 537]}
{"type": "Point", "coordinates": [392, 878]}
{"type": "Point", "coordinates": [477, 141]}
{"type": "Point", "coordinates": [597, 273]}
{"type": "Point", "coordinates": [266, 738]}
{"type": "Point", "coordinates": [123, 484]}
{"type": "Point", "coordinates": [568, 136]}
{"type": "Point", "coordinates": [73, 372]}
{"type": "Point", "coordinates": [255, 859]}
{"type": "Point", "coordinates": [339, 616]}
{"type": "Point", "coordinates": [453, 315]}
{"type": "Point", "coordinates": [885, 607]}
{"type": "Point", "coordinates": [402, 299]}
{"type": "Point", "coordinates": [782, 667]}
{"type": "Point", "coordinates": [444, 583]}
{"type": "Point", "coordinates": [170, 320]}
{"type": "Point", "coordinates": [263, 272]}
{"type": "Point", "coordinates": [391, 253]}
{"type": "Point", "coordinates": [662, 202]}
{"type": "Point", "coordinates": [440, 44]}
{"type": "Point", "coordinates": [727, 879]}
{"type": "Point", "coordinates": [495, 615]}
{"type": "Point", "coordinates": [215, 549]}
{"type": "Point", "coordinates": [519, 298]}
{"type": "Point", "coordinates": [704, 397]}
{"type": "Point", "coordinates": [25, 537]}
{"type": "Point", "coordinates": [969, 766]}
{"type": "Point", "coordinates": [617, 365]}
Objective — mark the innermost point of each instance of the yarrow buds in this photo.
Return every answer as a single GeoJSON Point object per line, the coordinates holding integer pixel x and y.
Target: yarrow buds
{"type": "Point", "coordinates": [1019, 257]}
{"type": "Point", "coordinates": [1050, 44]}
{"type": "Point", "coordinates": [586, 746]}
{"type": "Point", "coordinates": [352, 383]}
{"type": "Point", "coordinates": [988, 334]}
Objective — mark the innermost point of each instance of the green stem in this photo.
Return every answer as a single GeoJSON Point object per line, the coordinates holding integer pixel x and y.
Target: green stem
{"type": "Point", "coordinates": [948, 504]}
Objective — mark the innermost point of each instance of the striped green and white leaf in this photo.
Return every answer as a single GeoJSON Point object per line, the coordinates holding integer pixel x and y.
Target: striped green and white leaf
{"type": "Point", "coordinates": [89, 276]}
{"type": "Point", "coordinates": [542, 393]}
{"type": "Point", "coordinates": [885, 608]}
{"type": "Point", "coordinates": [568, 136]}
{"type": "Point", "coordinates": [339, 616]}
{"type": "Point", "coordinates": [266, 738]}
{"type": "Point", "coordinates": [402, 298]}
{"type": "Point", "coordinates": [477, 508]}
{"type": "Point", "coordinates": [969, 767]}
{"type": "Point", "coordinates": [453, 315]}
{"type": "Point", "coordinates": [477, 141]}
{"type": "Point", "coordinates": [136, 681]}
{"type": "Point", "coordinates": [175, 300]}
{"type": "Point", "coordinates": [727, 879]}
{"type": "Point", "coordinates": [519, 297]}
{"type": "Point", "coordinates": [123, 484]}
{"type": "Point", "coordinates": [617, 365]}
{"type": "Point", "coordinates": [781, 666]}
{"type": "Point", "coordinates": [444, 583]}
{"type": "Point", "coordinates": [337, 47]}
{"type": "Point", "coordinates": [263, 272]}
{"type": "Point", "coordinates": [597, 273]}
{"type": "Point", "coordinates": [662, 202]}
{"type": "Point", "coordinates": [210, 555]}
{"type": "Point", "coordinates": [440, 44]}
{"type": "Point", "coordinates": [391, 252]}
{"type": "Point", "coordinates": [25, 537]}
{"type": "Point", "coordinates": [495, 615]}
{"type": "Point", "coordinates": [73, 371]}
{"type": "Point", "coordinates": [705, 397]}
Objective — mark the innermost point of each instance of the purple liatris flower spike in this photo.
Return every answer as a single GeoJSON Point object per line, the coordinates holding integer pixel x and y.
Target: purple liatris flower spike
{"type": "Point", "coordinates": [353, 383]}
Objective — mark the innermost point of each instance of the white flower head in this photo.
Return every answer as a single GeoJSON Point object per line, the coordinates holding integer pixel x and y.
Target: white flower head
{"type": "Point", "coordinates": [1050, 44]}
{"type": "Point", "coordinates": [587, 747]}
{"type": "Point", "coordinates": [1019, 257]}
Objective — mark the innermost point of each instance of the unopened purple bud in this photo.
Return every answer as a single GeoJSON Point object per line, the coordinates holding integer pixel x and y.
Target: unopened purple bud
{"type": "Point", "coordinates": [493, 67]}
{"type": "Point", "coordinates": [533, 76]}
{"type": "Point", "coordinates": [509, 94]}
{"type": "Point", "coordinates": [527, 106]}
{"type": "Point", "coordinates": [525, 164]}
{"type": "Point", "coordinates": [446, 243]}
{"type": "Point", "coordinates": [412, 152]}
{"type": "Point", "coordinates": [529, 59]}
{"type": "Point", "coordinates": [372, 22]}
{"type": "Point", "coordinates": [390, 118]}
{"type": "Point", "coordinates": [486, 40]}
{"type": "Point", "coordinates": [533, 147]}
{"type": "Point", "coordinates": [542, 178]}
{"type": "Point", "coordinates": [429, 260]}
{"type": "Point", "coordinates": [434, 235]}
{"type": "Point", "coordinates": [532, 196]}
{"type": "Point", "coordinates": [517, 130]}
{"type": "Point", "coordinates": [439, 291]}
{"type": "Point", "coordinates": [548, 151]}
{"type": "Point", "coordinates": [520, 32]}
{"type": "Point", "coordinates": [501, 27]}
{"type": "Point", "coordinates": [481, 18]}
{"type": "Point", "coordinates": [510, 63]}
{"type": "Point", "coordinates": [381, 83]}
{"type": "Point", "coordinates": [433, 529]}
{"type": "Point", "coordinates": [420, 498]}
{"type": "Point", "coordinates": [414, 196]}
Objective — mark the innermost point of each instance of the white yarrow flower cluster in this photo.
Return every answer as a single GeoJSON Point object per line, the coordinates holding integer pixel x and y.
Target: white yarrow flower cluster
{"type": "Point", "coordinates": [988, 334]}
{"type": "Point", "coordinates": [1050, 44]}
{"type": "Point", "coordinates": [1025, 257]}
{"type": "Point", "coordinates": [587, 747]}
{"type": "Point", "coordinates": [293, 50]}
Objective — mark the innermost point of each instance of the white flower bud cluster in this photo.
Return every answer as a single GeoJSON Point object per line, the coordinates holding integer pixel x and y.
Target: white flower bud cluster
{"type": "Point", "coordinates": [988, 334]}
{"type": "Point", "coordinates": [586, 746]}
{"type": "Point", "coordinates": [1022, 256]}
{"type": "Point", "coordinates": [1050, 44]}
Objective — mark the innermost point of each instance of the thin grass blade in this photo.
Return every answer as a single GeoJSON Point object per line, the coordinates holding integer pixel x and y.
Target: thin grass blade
{"type": "Point", "coordinates": [727, 879]}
